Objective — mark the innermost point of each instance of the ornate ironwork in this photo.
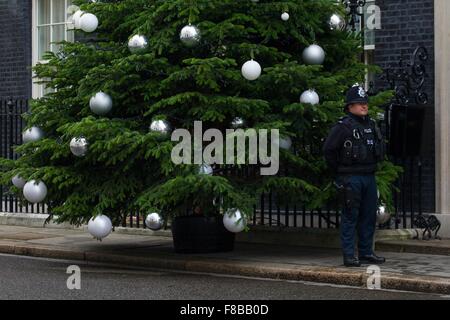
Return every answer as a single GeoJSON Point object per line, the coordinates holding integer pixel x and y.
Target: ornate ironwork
{"type": "Point", "coordinates": [429, 224]}
{"type": "Point", "coordinates": [353, 13]}
{"type": "Point", "coordinates": [408, 79]}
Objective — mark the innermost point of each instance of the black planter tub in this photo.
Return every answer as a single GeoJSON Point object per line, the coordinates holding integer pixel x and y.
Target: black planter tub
{"type": "Point", "coordinates": [198, 234]}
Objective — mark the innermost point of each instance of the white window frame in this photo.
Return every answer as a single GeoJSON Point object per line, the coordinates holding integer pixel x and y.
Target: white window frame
{"type": "Point", "coordinates": [38, 89]}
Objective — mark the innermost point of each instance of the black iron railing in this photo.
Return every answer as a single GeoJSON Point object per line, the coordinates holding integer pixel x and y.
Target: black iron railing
{"type": "Point", "coordinates": [11, 127]}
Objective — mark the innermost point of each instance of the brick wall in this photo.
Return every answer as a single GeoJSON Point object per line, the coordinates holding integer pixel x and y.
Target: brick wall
{"type": "Point", "coordinates": [15, 48]}
{"type": "Point", "coordinates": [405, 25]}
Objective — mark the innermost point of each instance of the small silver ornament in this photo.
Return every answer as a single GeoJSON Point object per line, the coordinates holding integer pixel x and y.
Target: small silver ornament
{"type": "Point", "coordinates": [161, 126]}
{"type": "Point", "coordinates": [336, 22]}
{"type": "Point", "coordinates": [101, 103]}
{"type": "Point", "coordinates": [237, 123]}
{"type": "Point", "coordinates": [382, 215]}
{"type": "Point", "coordinates": [137, 43]}
{"type": "Point", "coordinates": [205, 169]}
{"type": "Point", "coordinates": [32, 134]}
{"type": "Point", "coordinates": [18, 182]}
{"type": "Point", "coordinates": [314, 54]}
{"type": "Point", "coordinates": [310, 97]}
{"type": "Point", "coordinates": [285, 16]}
{"type": "Point", "coordinates": [285, 143]}
{"type": "Point", "coordinates": [79, 146]}
{"type": "Point", "coordinates": [190, 36]}
{"type": "Point", "coordinates": [35, 191]}
{"type": "Point", "coordinates": [234, 221]}
{"type": "Point", "coordinates": [154, 221]}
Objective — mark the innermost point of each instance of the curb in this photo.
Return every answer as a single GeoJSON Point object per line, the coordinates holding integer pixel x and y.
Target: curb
{"type": "Point", "coordinates": [339, 276]}
{"type": "Point", "coordinates": [420, 248]}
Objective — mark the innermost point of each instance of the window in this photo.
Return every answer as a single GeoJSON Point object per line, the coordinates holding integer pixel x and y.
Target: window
{"type": "Point", "coordinates": [49, 26]}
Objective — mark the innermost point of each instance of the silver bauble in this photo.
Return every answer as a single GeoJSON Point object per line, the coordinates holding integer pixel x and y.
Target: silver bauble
{"type": "Point", "coordinates": [314, 54]}
{"type": "Point", "coordinates": [251, 70]}
{"type": "Point", "coordinates": [190, 36]}
{"type": "Point", "coordinates": [88, 22]}
{"type": "Point", "coordinates": [205, 169]}
{"type": "Point", "coordinates": [154, 221]}
{"type": "Point", "coordinates": [35, 191]}
{"type": "Point", "coordinates": [32, 134]}
{"type": "Point", "coordinates": [285, 143]}
{"type": "Point", "coordinates": [336, 22]}
{"type": "Point", "coordinates": [101, 103]}
{"type": "Point", "coordinates": [137, 43]}
{"type": "Point", "coordinates": [79, 146]}
{"type": "Point", "coordinates": [285, 16]}
{"type": "Point", "coordinates": [161, 126]}
{"type": "Point", "coordinates": [237, 123]}
{"type": "Point", "coordinates": [382, 215]}
{"type": "Point", "coordinates": [310, 97]}
{"type": "Point", "coordinates": [18, 182]}
{"type": "Point", "coordinates": [100, 227]}
{"type": "Point", "coordinates": [234, 221]}
{"type": "Point", "coordinates": [75, 19]}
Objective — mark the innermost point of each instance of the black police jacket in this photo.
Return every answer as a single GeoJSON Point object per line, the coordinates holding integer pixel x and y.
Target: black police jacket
{"type": "Point", "coordinates": [354, 146]}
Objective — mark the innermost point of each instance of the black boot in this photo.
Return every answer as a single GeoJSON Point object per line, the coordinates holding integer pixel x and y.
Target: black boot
{"type": "Point", "coordinates": [372, 259]}
{"type": "Point", "coordinates": [350, 261]}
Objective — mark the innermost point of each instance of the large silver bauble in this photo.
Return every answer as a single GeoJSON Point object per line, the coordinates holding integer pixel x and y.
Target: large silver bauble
{"type": "Point", "coordinates": [79, 146]}
{"type": "Point", "coordinates": [161, 126]}
{"type": "Point", "coordinates": [32, 135]}
{"type": "Point", "coordinates": [35, 191]}
{"type": "Point", "coordinates": [234, 221]}
{"type": "Point", "coordinates": [154, 221]}
{"type": "Point", "coordinates": [336, 22]}
{"type": "Point", "coordinates": [18, 182]}
{"type": "Point", "coordinates": [251, 70]}
{"type": "Point", "coordinates": [101, 103]}
{"type": "Point", "coordinates": [137, 43]}
{"type": "Point", "coordinates": [382, 215]}
{"type": "Point", "coordinates": [285, 16]}
{"type": "Point", "coordinates": [237, 123]}
{"type": "Point", "coordinates": [88, 22]}
{"type": "Point", "coordinates": [100, 227]}
{"type": "Point", "coordinates": [310, 97]}
{"type": "Point", "coordinates": [190, 36]}
{"type": "Point", "coordinates": [205, 169]}
{"type": "Point", "coordinates": [314, 54]}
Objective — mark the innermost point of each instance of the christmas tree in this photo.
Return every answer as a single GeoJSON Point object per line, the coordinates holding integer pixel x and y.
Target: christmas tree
{"type": "Point", "coordinates": [118, 95]}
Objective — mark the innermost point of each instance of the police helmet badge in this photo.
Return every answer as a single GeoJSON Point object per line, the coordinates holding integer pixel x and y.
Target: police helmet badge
{"type": "Point", "coordinates": [362, 92]}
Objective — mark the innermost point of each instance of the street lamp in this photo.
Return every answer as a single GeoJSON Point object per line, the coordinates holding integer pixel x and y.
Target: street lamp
{"type": "Point", "coordinates": [353, 13]}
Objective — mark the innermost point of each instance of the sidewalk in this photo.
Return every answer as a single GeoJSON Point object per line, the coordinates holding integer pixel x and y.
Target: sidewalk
{"type": "Point", "coordinates": [403, 271]}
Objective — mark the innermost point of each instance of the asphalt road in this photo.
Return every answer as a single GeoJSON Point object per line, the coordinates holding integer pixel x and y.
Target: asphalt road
{"type": "Point", "coordinates": [32, 278]}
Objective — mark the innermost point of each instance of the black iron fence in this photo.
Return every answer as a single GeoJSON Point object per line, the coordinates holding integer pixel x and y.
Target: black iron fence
{"type": "Point", "coordinates": [268, 212]}
{"type": "Point", "coordinates": [11, 127]}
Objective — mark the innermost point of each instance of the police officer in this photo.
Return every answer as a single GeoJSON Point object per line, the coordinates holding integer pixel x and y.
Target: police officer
{"type": "Point", "coordinates": [352, 150]}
